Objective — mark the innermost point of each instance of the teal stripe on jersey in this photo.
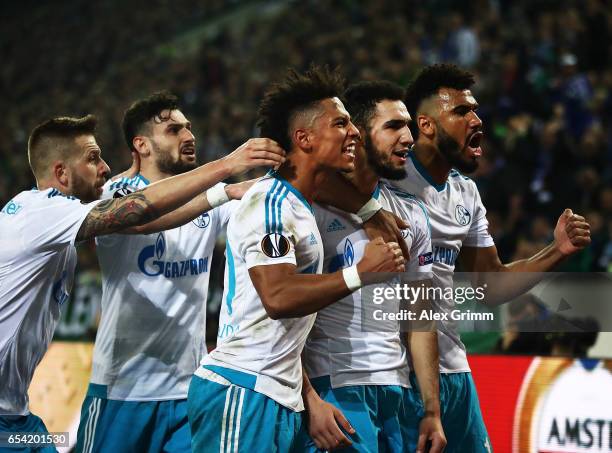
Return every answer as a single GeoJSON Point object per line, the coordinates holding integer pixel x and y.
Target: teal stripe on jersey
{"type": "Point", "coordinates": [231, 277]}
{"type": "Point", "coordinates": [268, 196]}
{"type": "Point", "coordinates": [409, 196]}
{"type": "Point", "coordinates": [279, 209]}
{"type": "Point", "coordinates": [273, 206]}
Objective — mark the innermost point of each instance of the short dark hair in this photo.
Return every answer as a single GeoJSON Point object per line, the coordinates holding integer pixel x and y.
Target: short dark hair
{"type": "Point", "coordinates": [141, 111]}
{"type": "Point", "coordinates": [360, 99]}
{"type": "Point", "coordinates": [53, 139]}
{"type": "Point", "coordinates": [429, 81]}
{"type": "Point", "coordinates": [295, 93]}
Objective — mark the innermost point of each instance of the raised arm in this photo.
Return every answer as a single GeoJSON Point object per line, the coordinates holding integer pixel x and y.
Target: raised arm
{"type": "Point", "coordinates": [189, 211]}
{"type": "Point", "coordinates": [115, 215]}
{"type": "Point", "coordinates": [571, 234]}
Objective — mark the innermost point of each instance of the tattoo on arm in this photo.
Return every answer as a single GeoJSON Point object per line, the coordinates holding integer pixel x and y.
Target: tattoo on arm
{"type": "Point", "coordinates": [114, 215]}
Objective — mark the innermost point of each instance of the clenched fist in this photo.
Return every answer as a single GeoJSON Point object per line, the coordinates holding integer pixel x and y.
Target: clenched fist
{"type": "Point", "coordinates": [381, 256]}
{"type": "Point", "coordinates": [572, 233]}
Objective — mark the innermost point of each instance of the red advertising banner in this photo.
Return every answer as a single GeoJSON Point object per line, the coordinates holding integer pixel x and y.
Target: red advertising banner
{"type": "Point", "coordinates": [545, 404]}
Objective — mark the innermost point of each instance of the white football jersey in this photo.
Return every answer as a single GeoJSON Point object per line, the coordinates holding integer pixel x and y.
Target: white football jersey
{"type": "Point", "coordinates": [457, 217]}
{"type": "Point", "coordinates": [340, 344]}
{"type": "Point", "coordinates": [273, 224]}
{"type": "Point", "coordinates": [37, 261]}
{"type": "Point", "coordinates": [154, 286]}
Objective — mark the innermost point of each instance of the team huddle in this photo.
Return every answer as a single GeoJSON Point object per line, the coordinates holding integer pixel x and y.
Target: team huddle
{"type": "Point", "coordinates": [350, 199]}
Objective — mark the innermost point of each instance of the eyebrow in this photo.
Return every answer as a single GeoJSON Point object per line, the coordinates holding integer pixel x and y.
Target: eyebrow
{"type": "Point", "coordinates": [396, 123]}
{"type": "Point", "coordinates": [186, 124]}
{"type": "Point", "coordinates": [471, 105]}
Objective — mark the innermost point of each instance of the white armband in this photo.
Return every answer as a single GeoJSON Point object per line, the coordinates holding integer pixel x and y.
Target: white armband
{"type": "Point", "coordinates": [217, 195]}
{"type": "Point", "coordinates": [351, 278]}
{"type": "Point", "coordinates": [368, 210]}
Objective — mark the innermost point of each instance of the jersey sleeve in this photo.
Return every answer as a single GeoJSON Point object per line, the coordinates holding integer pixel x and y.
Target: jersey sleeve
{"type": "Point", "coordinates": [56, 222]}
{"type": "Point", "coordinates": [421, 257]}
{"type": "Point", "coordinates": [225, 211]}
{"type": "Point", "coordinates": [270, 233]}
{"type": "Point", "coordinates": [478, 235]}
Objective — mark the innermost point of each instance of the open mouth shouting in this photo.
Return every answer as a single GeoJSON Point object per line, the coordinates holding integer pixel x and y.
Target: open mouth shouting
{"type": "Point", "coordinates": [473, 144]}
{"type": "Point", "coordinates": [189, 150]}
{"type": "Point", "coordinates": [349, 150]}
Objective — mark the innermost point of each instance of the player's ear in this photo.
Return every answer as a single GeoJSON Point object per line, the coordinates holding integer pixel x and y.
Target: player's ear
{"type": "Point", "coordinates": [141, 145]}
{"type": "Point", "coordinates": [303, 139]}
{"type": "Point", "coordinates": [61, 173]}
{"type": "Point", "coordinates": [426, 125]}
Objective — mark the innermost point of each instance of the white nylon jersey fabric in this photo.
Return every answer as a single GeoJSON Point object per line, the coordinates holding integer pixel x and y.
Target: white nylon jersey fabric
{"type": "Point", "coordinates": [154, 287]}
{"type": "Point", "coordinates": [250, 341]}
{"type": "Point", "coordinates": [458, 218]}
{"type": "Point", "coordinates": [37, 261]}
{"type": "Point", "coordinates": [339, 346]}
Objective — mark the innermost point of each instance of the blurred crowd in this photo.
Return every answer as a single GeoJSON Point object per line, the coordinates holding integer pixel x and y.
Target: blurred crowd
{"type": "Point", "coordinates": [544, 84]}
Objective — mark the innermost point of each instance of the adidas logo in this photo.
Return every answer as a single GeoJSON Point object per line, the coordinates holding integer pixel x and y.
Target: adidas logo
{"type": "Point", "coordinates": [313, 239]}
{"type": "Point", "coordinates": [335, 226]}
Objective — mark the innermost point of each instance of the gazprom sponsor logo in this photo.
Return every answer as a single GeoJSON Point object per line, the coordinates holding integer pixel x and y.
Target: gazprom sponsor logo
{"type": "Point", "coordinates": [349, 253]}
{"type": "Point", "coordinates": [11, 208]}
{"type": "Point", "coordinates": [152, 264]}
{"type": "Point", "coordinates": [444, 255]}
{"type": "Point", "coordinates": [59, 291]}
{"type": "Point", "coordinates": [227, 329]}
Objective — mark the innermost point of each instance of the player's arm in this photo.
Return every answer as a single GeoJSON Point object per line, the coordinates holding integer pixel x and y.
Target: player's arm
{"type": "Point", "coordinates": [285, 293]}
{"type": "Point", "coordinates": [194, 208]}
{"type": "Point", "coordinates": [376, 221]}
{"type": "Point", "coordinates": [571, 234]}
{"type": "Point", "coordinates": [111, 216]}
{"type": "Point", "coordinates": [324, 419]}
{"type": "Point", "coordinates": [422, 342]}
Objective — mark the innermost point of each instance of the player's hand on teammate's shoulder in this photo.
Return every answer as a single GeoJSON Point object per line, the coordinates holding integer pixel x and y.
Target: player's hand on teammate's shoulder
{"type": "Point", "coordinates": [255, 152]}
{"type": "Point", "coordinates": [572, 233]}
{"type": "Point", "coordinates": [387, 225]}
{"type": "Point", "coordinates": [132, 171]}
{"type": "Point", "coordinates": [237, 190]}
{"type": "Point", "coordinates": [381, 256]}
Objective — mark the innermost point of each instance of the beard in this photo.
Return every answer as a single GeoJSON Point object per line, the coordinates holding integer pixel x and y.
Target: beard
{"type": "Point", "coordinates": [83, 190]}
{"type": "Point", "coordinates": [380, 163]}
{"type": "Point", "coordinates": [166, 163]}
{"type": "Point", "coordinates": [453, 151]}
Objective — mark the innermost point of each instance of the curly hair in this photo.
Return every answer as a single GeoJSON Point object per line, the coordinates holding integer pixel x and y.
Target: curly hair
{"type": "Point", "coordinates": [429, 81]}
{"type": "Point", "coordinates": [293, 95]}
{"type": "Point", "coordinates": [143, 110]}
{"type": "Point", "coordinates": [360, 99]}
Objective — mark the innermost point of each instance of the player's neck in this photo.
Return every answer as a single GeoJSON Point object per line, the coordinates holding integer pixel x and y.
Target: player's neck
{"type": "Point", "coordinates": [433, 161]}
{"type": "Point", "coordinates": [152, 174]}
{"type": "Point", "coordinates": [302, 175]}
{"type": "Point", "coordinates": [43, 185]}
{"type": "Point", "coordinates": [364, 178]}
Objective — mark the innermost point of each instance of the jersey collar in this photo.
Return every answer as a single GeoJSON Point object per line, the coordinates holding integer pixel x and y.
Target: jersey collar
{"type": "Point", "coordinates": [292, 189]}
{"type": "Point", "coordinates": [423, 172]}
